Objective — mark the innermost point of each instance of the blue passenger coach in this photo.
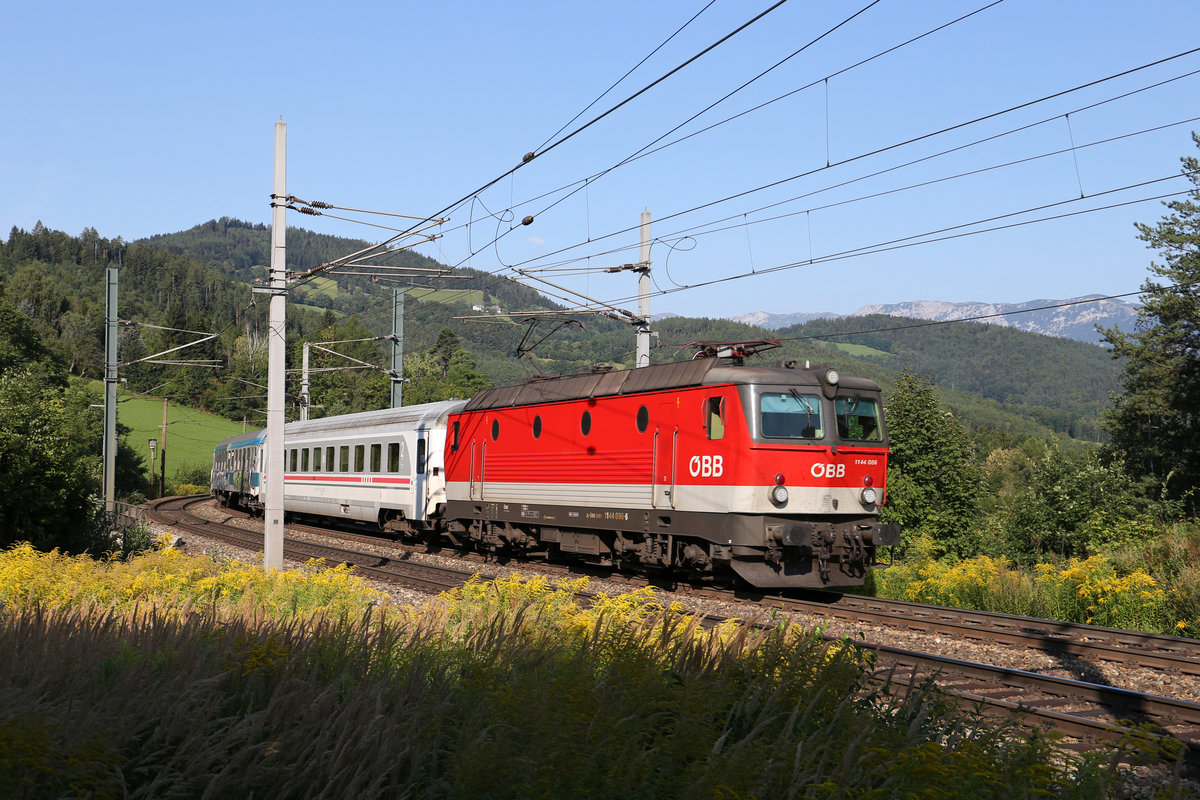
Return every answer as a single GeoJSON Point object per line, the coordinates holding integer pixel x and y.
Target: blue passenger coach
{"type": "Point", "coordinates": [237, 470]}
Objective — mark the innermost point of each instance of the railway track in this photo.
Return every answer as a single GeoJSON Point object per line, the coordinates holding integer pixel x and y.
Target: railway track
{"type": "Point", "coordinates": [1086, 711]}
{"type": "Point", "coordinates": [398, 571]}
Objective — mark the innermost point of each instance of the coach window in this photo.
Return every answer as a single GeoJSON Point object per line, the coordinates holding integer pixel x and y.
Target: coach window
{"type": "Point", "coordinates": [420, 456]}
{"type": "Point", "coordinates": [360, 452]}
{"type": "Point", "coordinates": [293, 461]}
{"type": "Point", "coordinates": [304, 460]}
{"type": "Point", "coordinates": [329, 459]}
{"type": "Point", "coordinates": [344, 458]}
{"type": "Point", "coordinates": [495, 429]}
{"type": "Point", "coordinates": [585, 424]}
{"type": "Point", "coordinates": [316, 459]}
{"type": "Point", "coordinates": [537, 427]}
{"type": "Point", "coordinates": [376, 458]}
{"type": "Point", "coordinates": [714, 417]}
{"type": "Point", "coordinates": [643, 419]}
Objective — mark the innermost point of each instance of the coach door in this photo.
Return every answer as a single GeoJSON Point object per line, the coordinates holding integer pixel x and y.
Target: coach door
{"type": "Point", "coordinates": [478, 451]}
{"type": "Point", "coordinates": [666, 450]}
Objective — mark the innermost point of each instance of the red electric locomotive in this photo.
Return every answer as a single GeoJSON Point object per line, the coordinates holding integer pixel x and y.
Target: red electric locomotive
{"type": "Point", "coordinates": [706, 466]}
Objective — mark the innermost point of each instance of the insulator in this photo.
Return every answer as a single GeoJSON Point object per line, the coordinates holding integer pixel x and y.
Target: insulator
{"type": "Point", "coordinates": [527, 221]}
{"type": "Point", "coordinates": [320, 204]}
{"type": "Point", "coordinates": [311, 211]}
{"type": "Point", "coordinates": [528, 157]}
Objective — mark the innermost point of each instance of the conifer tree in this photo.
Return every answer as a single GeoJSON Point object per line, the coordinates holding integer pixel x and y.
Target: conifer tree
{"type": "Point", "coordinates": [1156, 420]}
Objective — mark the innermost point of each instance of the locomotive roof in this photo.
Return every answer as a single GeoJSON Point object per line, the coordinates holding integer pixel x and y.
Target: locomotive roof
{"type": "Point", "coordinates": [676, 375]}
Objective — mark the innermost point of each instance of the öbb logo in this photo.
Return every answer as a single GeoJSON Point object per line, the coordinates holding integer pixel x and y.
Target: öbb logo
{"type": "Point", "coordinates": [707, 466]}
{"type": "Point", "coordinates": [829, 470]}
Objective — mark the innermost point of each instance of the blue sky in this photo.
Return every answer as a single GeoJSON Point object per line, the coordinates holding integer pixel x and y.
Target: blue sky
{"type": "Point", "coordinates": [144, 118]}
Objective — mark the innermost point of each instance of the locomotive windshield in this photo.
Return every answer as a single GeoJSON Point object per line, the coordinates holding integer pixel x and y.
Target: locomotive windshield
{"type": "Point", "coordinates": [858, 419]}
{"type": "Point", "coordinates": [790, 415]}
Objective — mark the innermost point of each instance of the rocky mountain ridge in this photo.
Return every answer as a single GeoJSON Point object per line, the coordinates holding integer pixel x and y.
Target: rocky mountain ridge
{"type": "Point", "coordinates": [1072, 318]}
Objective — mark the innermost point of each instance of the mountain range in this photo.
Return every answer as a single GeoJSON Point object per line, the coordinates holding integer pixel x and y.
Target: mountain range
{"type": "Point", "coordinates": [1073, 318]}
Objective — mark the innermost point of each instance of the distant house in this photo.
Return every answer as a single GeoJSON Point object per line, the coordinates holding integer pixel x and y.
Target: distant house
{"type": "Point", "coordinates": [487, 309]}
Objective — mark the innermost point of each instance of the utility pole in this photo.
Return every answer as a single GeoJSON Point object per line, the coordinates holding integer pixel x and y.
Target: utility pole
{"type": "Point", "coordinates": [162, 454]}
{"type": "Point", "coordinates": [397, 348]}
{"type": "Point", "coordinates": [276, 355]}
{"type": "Point", "coordinates": [110, 392]}
{"type": "Point", "coordinates": [305, 386]}
{"type": "Point", "coordinates": [643, 270]}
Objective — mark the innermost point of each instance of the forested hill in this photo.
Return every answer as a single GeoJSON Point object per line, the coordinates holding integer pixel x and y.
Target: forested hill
{"type": "Point", "coordinates": [996, 362]}
{"type": "Point", "coordinates": [197, 280]}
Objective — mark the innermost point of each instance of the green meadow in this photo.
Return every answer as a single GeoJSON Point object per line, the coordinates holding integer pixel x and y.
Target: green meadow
{"type": "Point", "coordinates": [190, 437]}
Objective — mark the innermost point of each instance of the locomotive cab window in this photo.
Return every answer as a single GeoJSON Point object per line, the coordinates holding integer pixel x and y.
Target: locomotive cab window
{"type": "Point", "coordinates": [790, 415]}
{"type": "Point", "coordinates": [714, 417]}
{"type": "Point", "coordinates": [858, 419]}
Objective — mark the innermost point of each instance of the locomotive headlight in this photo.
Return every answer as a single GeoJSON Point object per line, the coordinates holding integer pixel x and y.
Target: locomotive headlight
{"type": "Point", "coordinates": [779, 495]}
{"type": "Point", "coordinates": [869, 496]}
{"type": "Point", "coordinates": [831, 377]}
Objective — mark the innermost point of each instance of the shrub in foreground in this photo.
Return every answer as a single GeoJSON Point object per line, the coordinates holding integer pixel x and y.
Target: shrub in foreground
{"type": "Point", "coordinates": [506, 689]}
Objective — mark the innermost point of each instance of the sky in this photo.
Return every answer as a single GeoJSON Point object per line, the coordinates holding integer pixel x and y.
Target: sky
{"type": "Point", "coordinates": [963, 166]}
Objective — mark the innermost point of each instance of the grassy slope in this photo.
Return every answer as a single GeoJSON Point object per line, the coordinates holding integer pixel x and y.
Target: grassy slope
{"type": "Point", "coordinates": [191, 434]}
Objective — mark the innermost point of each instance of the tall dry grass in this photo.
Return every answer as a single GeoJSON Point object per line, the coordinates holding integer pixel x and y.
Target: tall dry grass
{"type": "Point", "coordinates": [507, 689]}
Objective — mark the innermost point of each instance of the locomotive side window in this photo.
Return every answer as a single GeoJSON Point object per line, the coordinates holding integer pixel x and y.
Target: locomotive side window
{"type": "Point", "coordinates": [495, 429]}
{"type": "Point", "coordinates": [304, 460]}
{"type": "Point", "coordinates": [858, 419]}
{"type": "Point", "coordinates": [585, 423]}
{"type": "Point", "coordinates": [537, 427]}
{"type": "Point", "coordinates": [316, 459]}
{"type": "Point", "coordinates": [714, 417]}
{"type": "Point", "coordinates": [360, 452]}
{"type": "Point", "coordinates": [344, 458]}
{"type": "Point", "coordinates": [643, 419]}
{"type": "Point", "coordinates": [791, 415]}
{"type": "Point", "coordinates": [454, 437]}
{"type": "Point", "coordinates": [376, 458]}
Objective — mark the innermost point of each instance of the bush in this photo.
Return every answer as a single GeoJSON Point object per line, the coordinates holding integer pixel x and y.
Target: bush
{"type": "Point", "coordinates": [508, 689]}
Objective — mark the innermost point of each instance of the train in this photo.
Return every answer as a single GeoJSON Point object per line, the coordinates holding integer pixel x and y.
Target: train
{"type": "Point", "coordinates": [709, 469]}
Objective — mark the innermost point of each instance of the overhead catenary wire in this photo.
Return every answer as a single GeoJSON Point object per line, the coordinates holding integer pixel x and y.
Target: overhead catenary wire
{"type": "Point", "coordinates": [532, 155]}
{"type": "Point", "coordinates": [909, 141]}
{"type": "Point", "coordinates": [894, 146]}
{"type": "Point", "coordinates": [705, 229]}
{"type": "Point", "coordinates": [500, 236]}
